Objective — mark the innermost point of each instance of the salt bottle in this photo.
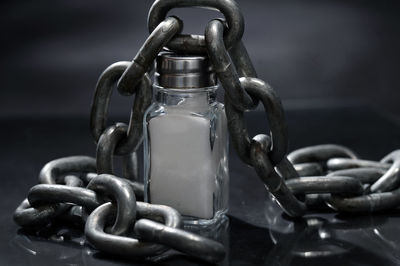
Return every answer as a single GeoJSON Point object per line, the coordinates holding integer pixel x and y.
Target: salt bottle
{"type": "Point", "coordinates": [185, 141]}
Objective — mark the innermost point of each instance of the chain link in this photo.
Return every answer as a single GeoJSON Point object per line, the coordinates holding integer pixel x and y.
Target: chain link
{"type": "Point", "coordinates": [391, 179]}
{"type": "Point", "coordinates": [40, 208]}
{"type": "Point", "coordinates": [85, 190]}
{"type": "Point", "coordinates": [143, 61]}
{"type": "Point", "coordinates": [364, 172]}
{"type": "Point", "coordinates": [178, 239]}
{"type": "Point", "coordinates": [25, 214]}
{"type": "Point", "coordinates": [335, 164]}
{"type": "Point", "coordinates": [101, 100]}
{"type": "Point", "coordinates": [273, 181]}
{"type": "Point", "coordinates": [224, 67]}
{"type": "Point", "coordinates": [195, 44]}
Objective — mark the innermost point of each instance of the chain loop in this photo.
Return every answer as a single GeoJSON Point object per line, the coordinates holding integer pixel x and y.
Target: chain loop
{"type": "Point", "coordinates": [101, 101]}
{"type": "Point", "coordinates": [44, 194]}
{"type": "Point", "coordinates": [323, 184]}
{"type": "Point", "coordinates": [138, 188]}
{"type": "Point", "coordinates": [122, 193]}
{"type": "Point", "coordinates": [126, 246]}
{"type": "Point", "coordinates": [391, 179]}
{"type": "Point", "coordinates": [195, 44]}
{"type": "Point", "coordinates": [320, 153]}
{"type": "Point", "coordinates": [160, 35]}
{"type": "Point", "coordinates": [366, 203]}
{"type": "Point", "coordinates": [224, 67]}
{"type": "Point", "coordinates": [365, 175]}
{"type": "Point", "coordinates": [56, 168]}
{"type": "Point", "coordinates": [26, 215]}
{"type": "Point", "coordinates": [187, 242]}
{"type": "Point", "coordinates": [51, 174]}
{"type": "Point", "coordinates": [276, 118]}
{"type": "Point", "coordinates": [107, 145]}
{"type": "Point", "coordinates": [242, 61]}
{"type": "Point", "coordinates": [335, 164]}
{"type": "Point", "coordinates": [275, 183]}
{"type": "Point", "coordinates": [105, 157]}
{"type": "Point", "coordinates": [361, 171]}
{"type": "Point", "coordinates": [40, 196]}
{"type": "Point", "coordinates": [102, 96]}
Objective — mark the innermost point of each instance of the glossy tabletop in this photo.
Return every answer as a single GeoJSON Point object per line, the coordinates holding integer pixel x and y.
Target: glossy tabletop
{"type": "Point", "coordinates": [256, 234]}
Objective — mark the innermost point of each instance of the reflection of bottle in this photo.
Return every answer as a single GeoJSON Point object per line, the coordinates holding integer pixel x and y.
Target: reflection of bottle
{"type": "Point", "coordinates": [219, 232]}
{"type": "Point", "coordinates": [186, 141]}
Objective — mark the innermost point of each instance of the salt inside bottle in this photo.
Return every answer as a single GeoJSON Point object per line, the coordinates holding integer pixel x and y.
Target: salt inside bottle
{"type": "Point", "coordinates": [185, 140]}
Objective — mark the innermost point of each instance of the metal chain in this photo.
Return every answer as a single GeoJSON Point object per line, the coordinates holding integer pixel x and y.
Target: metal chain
{"type": "Point", "coordinates": [159, 37]}
{"type": "Point", "coordinates": [101, 100]}
{"type": "Point", "coordinates": [196, 43]}
{"type": "Point", "coordinates": [85, 189]}
{"type": "Point", "coordinates": [107, 197]}
{"type": "Point", "coordinates": [268, 155]}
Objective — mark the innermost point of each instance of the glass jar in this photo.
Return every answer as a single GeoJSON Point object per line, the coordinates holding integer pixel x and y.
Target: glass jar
{"type": "Point", "coordinates": [186, 142]}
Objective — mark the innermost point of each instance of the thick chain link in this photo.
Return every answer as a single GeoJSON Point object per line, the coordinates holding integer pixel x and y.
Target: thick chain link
{"type": "Point", "coordinates": [109, 198]}
{"type": "Point", "coordinates": [101, 101]}
{"type": "Point", "coordinates": [86, 189]}
{"type": "Point", "coordinates": [195, 44]}
{"type": "Point", "coordinates": [143, 61]}
{"type": "Point", "coordinates": [362, 175]}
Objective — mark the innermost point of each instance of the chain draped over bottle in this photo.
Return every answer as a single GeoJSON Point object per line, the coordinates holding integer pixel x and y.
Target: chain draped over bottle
{"type": "Point", "coordinates": [311, 178]}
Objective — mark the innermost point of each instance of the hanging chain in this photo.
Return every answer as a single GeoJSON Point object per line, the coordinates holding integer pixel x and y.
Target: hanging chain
{"type": "Point", "coordinates": [311, 178]}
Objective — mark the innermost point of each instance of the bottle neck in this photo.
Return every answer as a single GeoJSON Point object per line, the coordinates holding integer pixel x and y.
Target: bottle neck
{"type": "Point", "coordinates": [192, 98]}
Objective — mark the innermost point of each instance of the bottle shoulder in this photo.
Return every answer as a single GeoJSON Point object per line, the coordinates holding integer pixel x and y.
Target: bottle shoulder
{"type": "Point", "coordinates": [164, 111]}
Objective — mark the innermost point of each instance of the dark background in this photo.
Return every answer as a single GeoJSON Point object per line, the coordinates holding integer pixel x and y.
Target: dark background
{"type": "Point", "coordinates": [315, 53]}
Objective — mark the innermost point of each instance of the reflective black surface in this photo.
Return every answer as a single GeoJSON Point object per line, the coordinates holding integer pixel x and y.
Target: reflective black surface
{"type": "Point", "coordinates": [256, 234]}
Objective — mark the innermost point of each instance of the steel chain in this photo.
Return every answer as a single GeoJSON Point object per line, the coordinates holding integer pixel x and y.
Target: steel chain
{"type": "Point", "coordinates": [224, 67]}
{"type": "Point", "coordinates": [40, 209]}
{"type": "Point", "coordinates": [101, 100]}
{"type": "Point", "coordinates": [144, 59]}
{"type": "Point", "coordinates": [86, 190]}
{"type": "Point", "coordinates": [364, 172]}
{"type": "Point", "coordinates": [195, 44]}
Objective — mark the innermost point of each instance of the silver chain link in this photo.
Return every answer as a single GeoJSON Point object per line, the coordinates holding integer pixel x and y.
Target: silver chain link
{"type": "Point", "coordinates": [308, 179]}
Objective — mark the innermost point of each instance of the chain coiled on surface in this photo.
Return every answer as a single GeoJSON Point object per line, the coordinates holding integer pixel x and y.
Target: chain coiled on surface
{"type": "Point", "coordinates": [324, 176]}
{"type": "Point", "coordinates": [106, 198]}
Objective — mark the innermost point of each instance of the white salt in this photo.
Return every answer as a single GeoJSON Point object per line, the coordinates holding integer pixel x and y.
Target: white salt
{"type": "Point", "coordinates": [183, 165]}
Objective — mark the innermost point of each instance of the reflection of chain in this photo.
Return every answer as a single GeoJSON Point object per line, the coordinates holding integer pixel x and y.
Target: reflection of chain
{"type": "Point", "coordinates": [325, 237]}
{"type": "Point", "coordinates": [304, 179]}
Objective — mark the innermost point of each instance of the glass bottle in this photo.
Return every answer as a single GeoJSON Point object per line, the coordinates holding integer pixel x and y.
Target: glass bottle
{"type": "Point", "coordinates": [186, 142]}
